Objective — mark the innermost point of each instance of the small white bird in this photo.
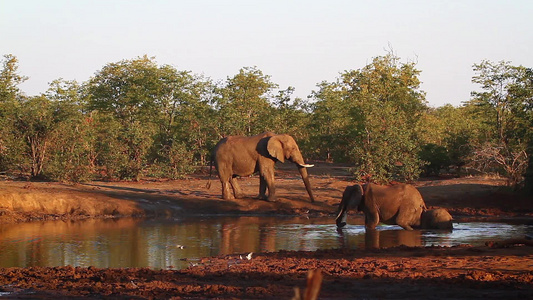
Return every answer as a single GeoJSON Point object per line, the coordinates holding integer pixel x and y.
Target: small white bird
{"type": "Point", "coordinates": [249, 256]}
{"type": "Point", "coordinates": [180, 246]}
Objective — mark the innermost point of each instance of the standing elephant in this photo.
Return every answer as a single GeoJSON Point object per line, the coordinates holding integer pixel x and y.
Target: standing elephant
{"type": "Point", "coordinates": [242, 156]}
{"type": "Point", "coordinates": [399, 204]}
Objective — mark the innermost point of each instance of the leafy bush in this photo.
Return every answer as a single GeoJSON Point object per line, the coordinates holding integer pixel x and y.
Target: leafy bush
{"type": "Point", "coordinates": [437, 158]}
{"type": "Point", "coordinates": [175, 162]}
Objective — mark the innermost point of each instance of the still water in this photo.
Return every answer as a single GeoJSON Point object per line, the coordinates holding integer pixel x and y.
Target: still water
{"type": "Point", "coordinates": [176, 243]}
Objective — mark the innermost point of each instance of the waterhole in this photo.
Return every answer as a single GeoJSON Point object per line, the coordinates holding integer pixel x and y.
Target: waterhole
{"type": "Point", "coordinates": [179, 243]}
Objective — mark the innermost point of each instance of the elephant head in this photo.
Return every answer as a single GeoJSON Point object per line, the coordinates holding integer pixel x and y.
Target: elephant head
{"type": "Point", "coordinates": [282, 147]}
{"type": "Point", "coordinates": [351, 198]}
{"type": "Point", "coordinates": [438, 218]}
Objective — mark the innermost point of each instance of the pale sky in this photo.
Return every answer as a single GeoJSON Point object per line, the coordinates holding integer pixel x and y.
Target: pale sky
{"type": "Point", "coordinates": [297, 43]}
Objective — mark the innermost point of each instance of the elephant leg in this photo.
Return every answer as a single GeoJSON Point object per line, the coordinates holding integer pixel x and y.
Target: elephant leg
{"type": "Point", "coordinates": [262, 188]}
{"type": "Point", "coordinates": [403, 221]}
{"type": "Point", "coordinates": [271, 187]}
{"type": "Point", "coordinates": [405, 226]}
{"type": "Point", "coordinates": [371, 239]}
{"type": "Point", "coordinates": [225, 178]}
{"type": "Point", "coordinates": [266, 172]}
{"type": "Point", "coordinates": [371, 220]}
{"type": "Point", "coordinates": [408, 215]}
{"type": "Point", "coordinates": [226, 190]}
{"type": "Point", "coordinates": [271, 190]}
{"type": "Point", "coordinates": [236, 188]}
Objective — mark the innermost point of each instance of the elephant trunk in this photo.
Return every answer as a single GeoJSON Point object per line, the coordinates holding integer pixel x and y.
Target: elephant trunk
{"type": "Point", "coordinates": [341, 216]}
{"type": "Point", "coordinates": [305, 178]}
{"type": "Point", "coordinates": [297, 158]}
{"type": "Point", "coordinates": [351, 198]}
{"type": "Point", "coordinates": [343, 211]}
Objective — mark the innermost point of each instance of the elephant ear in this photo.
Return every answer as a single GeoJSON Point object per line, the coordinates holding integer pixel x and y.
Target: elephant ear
{"type": "Point", "coordinates": [275, 148]}
{"type": "Point", "coordinates": [355, 197]}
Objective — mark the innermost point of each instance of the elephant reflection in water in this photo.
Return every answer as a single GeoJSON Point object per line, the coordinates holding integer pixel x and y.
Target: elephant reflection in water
{"type": "Point", "coordinates": [374, 239]}
{"type": "Point", "coordinates": [392, 238]}
{"type": "Point", "coordinates": [247, 234]}
{"type": "Point", "coordinates": [234, 237]}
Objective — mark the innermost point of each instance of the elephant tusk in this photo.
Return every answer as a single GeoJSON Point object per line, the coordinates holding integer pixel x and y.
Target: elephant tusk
{"type": "Point", "coordinates": [306, 165]}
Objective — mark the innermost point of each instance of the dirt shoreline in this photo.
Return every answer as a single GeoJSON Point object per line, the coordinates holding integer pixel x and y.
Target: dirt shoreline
{"type": "Point", "coordinates": [495, 271]}
{"type": "Point", "coordinates": [394, 273]}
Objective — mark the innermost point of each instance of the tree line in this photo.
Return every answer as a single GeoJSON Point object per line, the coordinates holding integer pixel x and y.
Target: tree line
{"type": "Point", "coordinates": [136, 118]}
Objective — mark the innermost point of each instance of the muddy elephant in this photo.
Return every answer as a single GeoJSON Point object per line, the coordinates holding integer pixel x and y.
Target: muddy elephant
{"type": "Point", "coordinates": [242, 156]}
{"type": "Point", "coordinates": [399, 204]}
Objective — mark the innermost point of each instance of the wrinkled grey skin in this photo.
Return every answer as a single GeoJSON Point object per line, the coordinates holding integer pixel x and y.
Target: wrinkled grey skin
{"type": "Point", "coordinates": [399, 204]}
{"type": "Point", "coordinates": [242, 156]}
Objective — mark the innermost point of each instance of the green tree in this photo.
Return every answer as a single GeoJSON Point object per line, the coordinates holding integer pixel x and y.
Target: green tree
{"type": "Point", "coordinates": [504, 106]}
{"type": "Point", "coordinates": [157, 112]}
{"type": "Point", "coordinates": [186, 115]}
{"type": "Point", "coordinates": [72, 155]}
{"type": "Point", "coordinates": [128, 89]}
{"type": "Point", "coordinates": [126, 95]}
{"type": "Point", "coordinates": [36, 120]}
{"type": "Point", "coordinates": [376, 111]}
{"type": "Point", "coordinates": [289, 115]}
{"type": "Point", "coordinates": [9, 80]}
{"type": "Point", "coordinates": [451, 131]}
{"type": "Point", "coordinates": [497, 101]}
{"type": "Point", "coordinates": [10, 94]}
{"type": "Point", "coordinates": [332, 126]}
{"type": "Point", "coordinates": [244, 106]}
{"type": "Point", "coordinates": [523, 90]}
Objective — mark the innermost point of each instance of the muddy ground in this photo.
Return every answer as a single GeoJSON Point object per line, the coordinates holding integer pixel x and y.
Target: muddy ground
{"type": "Point", "coordinates": [502, 269]}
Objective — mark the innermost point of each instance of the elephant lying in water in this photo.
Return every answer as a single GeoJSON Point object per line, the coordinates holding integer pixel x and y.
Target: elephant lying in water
{"type": "Point", "coordinates": [399, 204]}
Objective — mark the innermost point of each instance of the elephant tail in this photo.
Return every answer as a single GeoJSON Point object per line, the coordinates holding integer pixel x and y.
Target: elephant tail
{"type": "Point", "coordinates": [208, 184]}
